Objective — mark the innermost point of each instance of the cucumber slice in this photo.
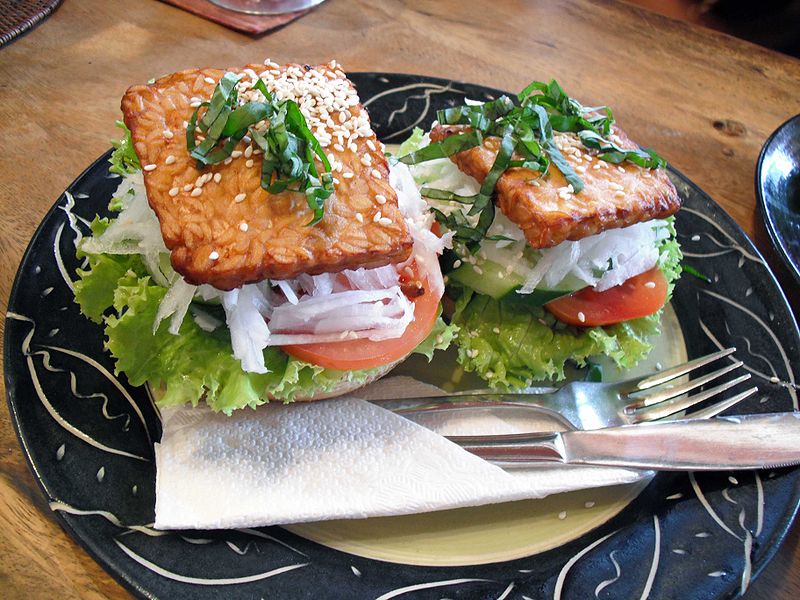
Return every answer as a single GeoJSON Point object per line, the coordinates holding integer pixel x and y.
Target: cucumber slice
{"type": "Point", "coordinates": [493, 279]}
{"type": "Point", "coordinates": [490, 279]}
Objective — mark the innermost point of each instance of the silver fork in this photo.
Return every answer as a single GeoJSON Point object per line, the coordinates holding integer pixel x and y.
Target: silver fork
{"type": "Point", "coordinates": [588, 405]}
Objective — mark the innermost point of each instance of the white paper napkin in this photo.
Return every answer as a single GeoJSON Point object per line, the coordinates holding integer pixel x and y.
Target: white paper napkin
{"type": "Point", "coordinates": [344, 458]}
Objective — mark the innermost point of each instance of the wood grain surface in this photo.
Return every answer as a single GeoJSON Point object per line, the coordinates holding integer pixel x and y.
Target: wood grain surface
{"type": "Point", "coordinates": [705, 101]}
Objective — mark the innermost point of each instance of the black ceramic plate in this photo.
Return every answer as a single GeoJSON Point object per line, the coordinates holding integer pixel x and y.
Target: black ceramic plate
{"type": "Point", "coordinates": [778, 190]}
{"type": "Point", "coordinates": [88, 435]}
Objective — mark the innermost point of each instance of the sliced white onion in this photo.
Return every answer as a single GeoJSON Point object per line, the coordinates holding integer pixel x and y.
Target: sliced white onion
{"type": "Point", "coordinates": [602, 261]}
{"type": "Point", "coordinates": [427, 246]}
{"type": "Point", "coordinates": [175, 302]}
{"type": "Point", "coordinates": [288, 291]}
{"type": "Point", "coordinates": [204, 320]}
{"type": "Point", "coordinates": [377, 315]}
{"type": "Point", "coordinates": [135, 230]}
{"type": "Point", "coordinates": [249, 331]}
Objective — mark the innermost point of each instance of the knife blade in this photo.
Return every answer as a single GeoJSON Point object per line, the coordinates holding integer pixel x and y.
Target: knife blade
{"type": "Point", "coordinates": [722, 443]}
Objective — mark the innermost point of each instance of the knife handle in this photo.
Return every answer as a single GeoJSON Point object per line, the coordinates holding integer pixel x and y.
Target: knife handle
{"type": "Point", "coordinates": [514, 448]}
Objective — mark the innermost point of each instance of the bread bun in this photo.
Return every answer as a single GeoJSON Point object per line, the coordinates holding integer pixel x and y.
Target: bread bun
{"type": "Point", "coordinates": [345, 386]}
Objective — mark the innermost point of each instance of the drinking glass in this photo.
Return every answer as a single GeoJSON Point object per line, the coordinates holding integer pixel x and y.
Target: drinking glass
{"type": "Point", "coordinates": [266, 7]}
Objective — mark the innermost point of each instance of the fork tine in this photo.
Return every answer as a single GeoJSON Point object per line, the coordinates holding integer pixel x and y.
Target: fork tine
{"type": "Point", "coordinates": [718, 407]}
{"type": "Point", "coordinates": [674, 372]}
{"type": "Point", "coordinates": [669, 407]}
{"type": "Point", "coordinates": [679, 390]}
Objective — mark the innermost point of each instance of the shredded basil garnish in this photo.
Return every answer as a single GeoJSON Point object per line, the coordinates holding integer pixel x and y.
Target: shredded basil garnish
{"type": "Point", "coordinates": [526, 131]}
{"type": "Point", "coordinates": [288, 146]}
{"type": "Point", "coordinates": [694, 273]}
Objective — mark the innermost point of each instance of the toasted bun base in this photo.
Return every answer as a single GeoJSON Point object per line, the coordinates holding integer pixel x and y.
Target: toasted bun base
{"type": "Point", "coordinates": [345, 386]}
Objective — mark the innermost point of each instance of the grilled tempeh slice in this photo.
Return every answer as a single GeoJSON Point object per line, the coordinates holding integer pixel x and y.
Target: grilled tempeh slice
{"type": "Point", "coordinates": [549, 212]}
{"type": "Point", "coordinates": [221, 227]}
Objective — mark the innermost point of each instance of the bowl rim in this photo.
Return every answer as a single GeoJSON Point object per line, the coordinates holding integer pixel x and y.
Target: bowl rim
{"type": "Point", "coordinates": [766, 215]}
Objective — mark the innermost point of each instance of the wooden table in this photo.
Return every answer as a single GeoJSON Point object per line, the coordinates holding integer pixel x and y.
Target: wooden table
{"type": "Point", "coordinates": [706, 101]}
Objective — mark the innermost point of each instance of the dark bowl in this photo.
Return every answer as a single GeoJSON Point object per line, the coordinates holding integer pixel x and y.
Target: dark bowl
{"type": "Point", "coordinates": [778, 191]}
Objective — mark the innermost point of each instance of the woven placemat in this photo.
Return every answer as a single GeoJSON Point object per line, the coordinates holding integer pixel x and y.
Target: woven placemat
{"type": "Point", "coordinates": [18, 16]}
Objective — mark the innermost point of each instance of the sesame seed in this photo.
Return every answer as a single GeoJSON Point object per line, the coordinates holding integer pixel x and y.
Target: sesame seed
{"type": "Point", "coordinates": [619, 194]}
{"type": "Point", "coordinates": [217, 177]}
{"type": "Point", "coordinates": [174, 192]}
{"type": "Point", "coordinates": [187, 187]}
{"type": "Point", "coordinates": [477, 269]}
{"type": "Point", "coordinates": [227, 161]}
{"type": "Point", "coordinates": [248, 152]}
{"type": "Point", "coordinates": [376, 217]}
{"type": "Point", "coordinates": [380, 198]}
{"type": "Point", "coordinates": [366, 160]}
{"type": "Point", "coordinates": [371, 145]}
{"type": "Point", "coordinates": [240, 197]}
{"type": "Point", "coordinates": [243, 226]}
{"type": "Point", "coordinates": [352, 147]}
{"type": "Point", "coordinates": [214, 255]}
{"type": "Point", "coordinates": [376, 174]}
{"type": "Point", "coordinates": [249, 163]}
{"type": "Point", "coordinates": [150, 167]}
{"type": "Point", "coordinates": [195, 104]}
{"type": "Point", "coordinates": [196, 192]}
{"type": "Point", "coordinates": [581, 317]}
{"type": "Point", "coordinates": [385, 221]}
{"type": "Point", "coordinates": [338, 147]}
{"type": "Point", "coordinates": [359, 217]}
{"type": "Point", "coordinates": [342, 117]}
{"type": "Point", "coordinates": [620, 169]}
{"type": "Point", "coordinates": [236, 154]}
{"type": "Point", "coordinates": [209, 80]}
{"type": "Point", "coordinates": [457, 264]}
{"type": "Point", "coordinates": [168, 134]}
{"type": "Point", "coordinates": [347, 175]}
{"type": "Point", "coordinates": [169, 160]}
{"type": "Point", "coordinates": [650, 284]}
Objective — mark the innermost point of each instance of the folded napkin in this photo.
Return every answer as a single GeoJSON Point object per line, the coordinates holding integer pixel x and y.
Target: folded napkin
{"type": "Point", "coordinates": [338, 459]}
{"type": "Point", "coordinates": [254, 24]}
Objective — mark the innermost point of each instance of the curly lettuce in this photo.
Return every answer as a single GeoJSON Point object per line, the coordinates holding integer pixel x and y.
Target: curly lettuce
{"type": "Point", "coordinates": [510, 345]}
{"type": "Point", "coordinates": [124, 160]}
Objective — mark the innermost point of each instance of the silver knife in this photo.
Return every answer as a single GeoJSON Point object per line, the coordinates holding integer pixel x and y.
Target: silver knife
{"type": "Point", "coordinates": [722, 443]}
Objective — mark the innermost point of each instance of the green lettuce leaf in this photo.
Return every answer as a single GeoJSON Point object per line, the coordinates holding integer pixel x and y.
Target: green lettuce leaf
{"type": "Point", "coordinates": [439, 338]}
{"type": "Point", "coordinates": [124, 160]}
{"type": "Point", "coordinates": [412, 142]}
{"type": "Point", "coordinates": [510, 346]}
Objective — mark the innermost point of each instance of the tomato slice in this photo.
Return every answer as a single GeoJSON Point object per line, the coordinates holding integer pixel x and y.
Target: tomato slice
{"type": "Point", "coordinates": [351, 355]}
{"type": "Point", "coordinates": [639, 296]}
